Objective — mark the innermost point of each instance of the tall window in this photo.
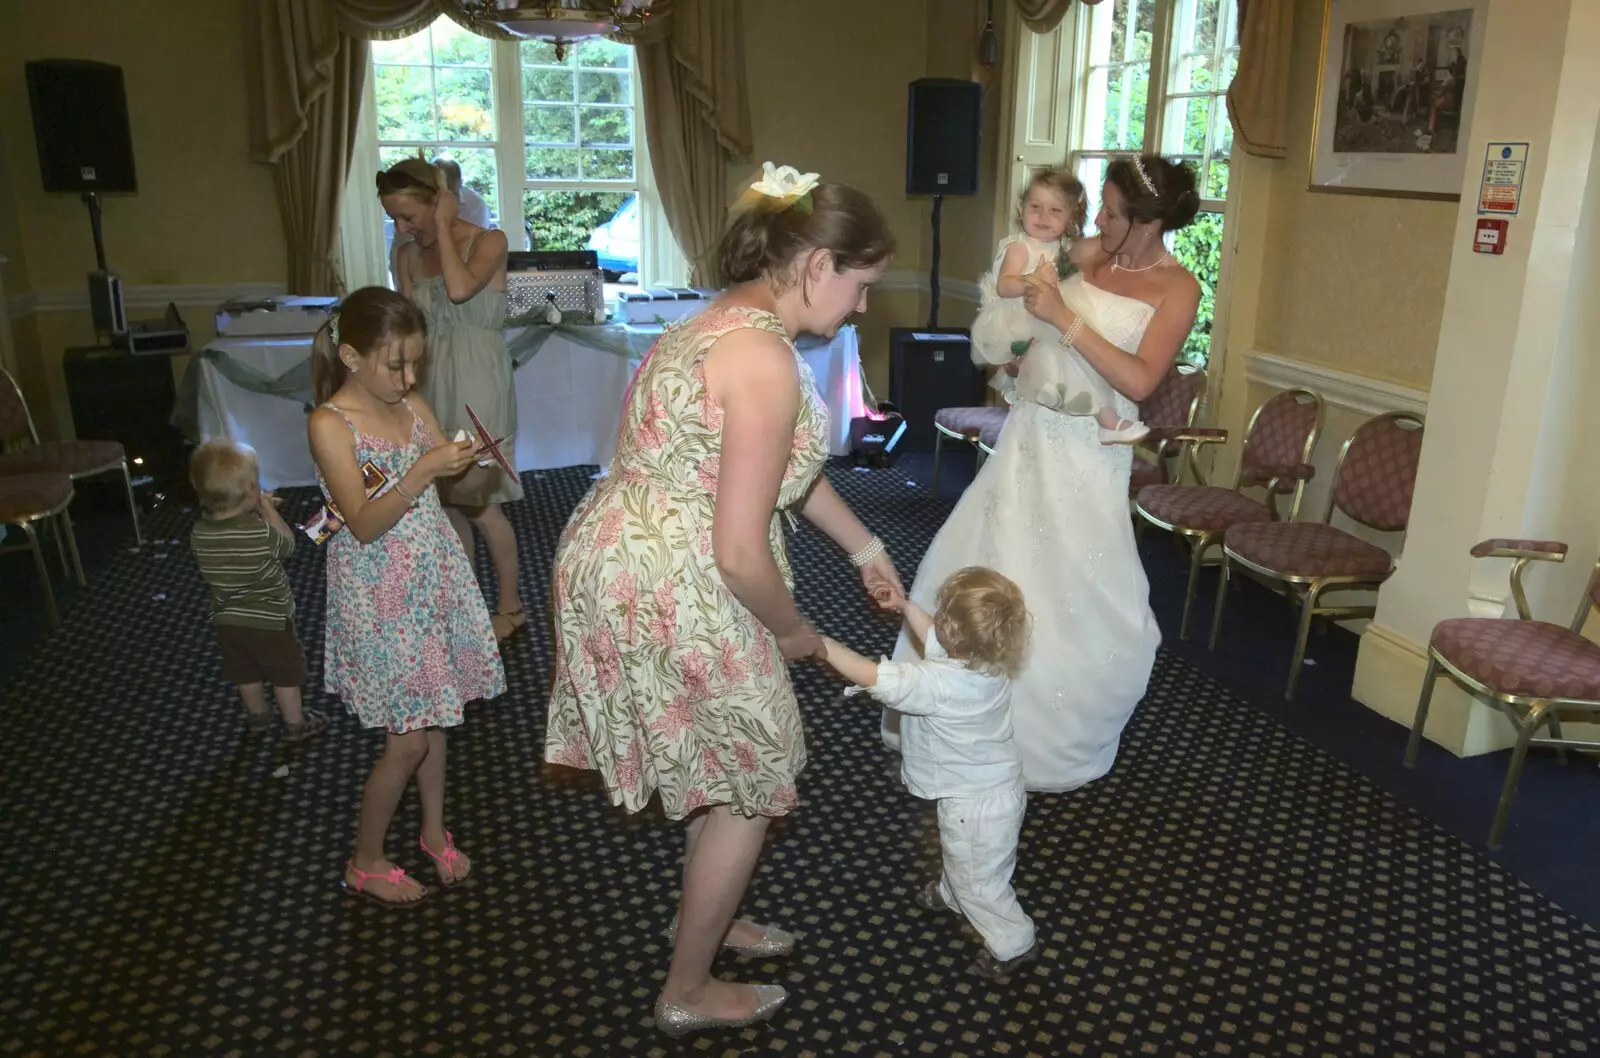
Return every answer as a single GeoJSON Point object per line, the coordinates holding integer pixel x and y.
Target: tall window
{"type": "Point", "coordinates": [578, 126]}
{"type": "Point", "coordinates": [554, 146]}
{"type": "Point", "coordinates": [1151, 77]}
{"type": "Point", "coordinates": [434, 93]}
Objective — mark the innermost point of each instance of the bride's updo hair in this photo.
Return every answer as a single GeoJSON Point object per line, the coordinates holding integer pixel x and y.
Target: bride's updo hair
{"type": "Point", "coordinates": [1156, 189]}
{"type": "Point", "coordinates": [763, 241]}
{"type": "Point", "coordinates": [412, 176]}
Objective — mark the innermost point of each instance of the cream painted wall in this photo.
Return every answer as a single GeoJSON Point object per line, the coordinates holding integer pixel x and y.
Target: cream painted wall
{"type": "Point", "coordinates": [204, 213]}
{"type": "Point", "coordinates": [1351, 282]}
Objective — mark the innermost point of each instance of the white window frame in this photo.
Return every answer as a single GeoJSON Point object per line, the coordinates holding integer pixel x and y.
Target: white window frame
{"type": "Point", "coordinates": [661, 262]}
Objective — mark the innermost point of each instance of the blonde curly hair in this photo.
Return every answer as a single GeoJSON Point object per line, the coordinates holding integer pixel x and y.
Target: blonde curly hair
{"type": "Point", "coordinates": [981, 619]}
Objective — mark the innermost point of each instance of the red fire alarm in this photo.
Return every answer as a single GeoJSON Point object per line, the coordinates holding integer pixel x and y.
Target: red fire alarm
{"type": "Point", "coordinates": [1491, 237]}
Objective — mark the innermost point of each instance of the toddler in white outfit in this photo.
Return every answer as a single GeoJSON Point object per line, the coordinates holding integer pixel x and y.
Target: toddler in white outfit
{"type": "Point", "coordinates": [1050, 215]}
{"type": "Point", "coordinates": [957, 747]}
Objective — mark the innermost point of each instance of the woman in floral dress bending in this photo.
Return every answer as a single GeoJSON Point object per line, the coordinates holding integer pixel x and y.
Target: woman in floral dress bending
{"type": "Point", "coordinates": [673, 593]}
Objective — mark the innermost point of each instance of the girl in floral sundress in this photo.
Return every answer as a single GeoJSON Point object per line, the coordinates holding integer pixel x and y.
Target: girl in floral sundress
{"type": "Point", "coordinates": [673, 595]}
{"type": "Point", "coordinates": [408, 635]}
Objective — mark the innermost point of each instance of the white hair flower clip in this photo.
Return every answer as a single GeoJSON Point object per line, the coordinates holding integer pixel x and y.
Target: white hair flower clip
{"type": "Point", "coordinates": [779, 188]}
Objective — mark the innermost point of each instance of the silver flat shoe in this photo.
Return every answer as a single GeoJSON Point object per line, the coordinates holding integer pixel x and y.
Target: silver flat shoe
{"type": "Point", "coordinates": [675, 1021]}
{"type": "Point", "coordinates": [774, 942]}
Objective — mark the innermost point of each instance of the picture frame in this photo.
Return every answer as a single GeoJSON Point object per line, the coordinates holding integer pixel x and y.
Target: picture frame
{"type": "Point", "coordinates": [1395, 93]}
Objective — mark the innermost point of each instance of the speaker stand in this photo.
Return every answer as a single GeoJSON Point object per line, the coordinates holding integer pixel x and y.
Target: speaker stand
{"type": "Point", "coordinates": [933, 271]}
{"type": "Point", "coordinates": [92, 200]}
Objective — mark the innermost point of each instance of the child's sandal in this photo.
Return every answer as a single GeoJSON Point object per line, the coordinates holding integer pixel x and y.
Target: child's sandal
{"type": "Point", "coordinates": [395, 876]}
{"type": "Point", "coordinates": [507, 623]}
{"type": "Point", "coordinates": [447, 862]}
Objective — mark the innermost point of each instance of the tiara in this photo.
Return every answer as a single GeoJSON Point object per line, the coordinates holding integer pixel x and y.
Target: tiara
{"type": "Point", "coordinates": [1144, 177]}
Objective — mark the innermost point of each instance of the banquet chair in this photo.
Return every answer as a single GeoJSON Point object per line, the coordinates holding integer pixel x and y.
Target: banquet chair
{"type": "Point", "coordinates": [26, 499]}
{"type": "Point", "coordinates": [970, 425]}
{"type": "Point", "coordinates": [1372, 485]}
{"type": "Point", "coordinates": [1174, 406]}
{"type": "Point", "coordinates": [1278, 444]}
{"type": "Point", "coordinates": [1531, 671]}
{"type": "Point", "coordinates": [75, 459]}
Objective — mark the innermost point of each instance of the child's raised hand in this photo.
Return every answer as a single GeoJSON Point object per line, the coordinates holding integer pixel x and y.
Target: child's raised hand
{"type": "Point", "coordinates": [448, 459]}
{"type": "Point", "coordinates": [889, 596]}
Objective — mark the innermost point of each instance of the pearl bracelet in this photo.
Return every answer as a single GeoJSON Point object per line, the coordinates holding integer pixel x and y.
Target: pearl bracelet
{"type": "Point", "coordinates": [411, 501]}
{"type": "Point", "coordinates": [871, 550]}
{"type": "Point", "coordinates": [1070, 336]}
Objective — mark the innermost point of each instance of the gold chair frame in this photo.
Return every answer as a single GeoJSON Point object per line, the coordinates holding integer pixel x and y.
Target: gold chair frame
{"type": "Point", "coordinates": [1309, 589]}
{"type": "Point", "coordinates": [940, 433]}
{"type": "Point", "coordinates": [1527, 714]}
{"type": "Point", "coordinates": [1201, 541]}
{"type": "Point", "coordinates": [122, 464]}
{"type": "Point", "coordinates": [61, 524]}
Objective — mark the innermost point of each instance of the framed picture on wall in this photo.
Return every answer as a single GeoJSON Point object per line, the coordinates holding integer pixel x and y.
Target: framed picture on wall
{"type": "Point", "coordinates": [1394, 96]}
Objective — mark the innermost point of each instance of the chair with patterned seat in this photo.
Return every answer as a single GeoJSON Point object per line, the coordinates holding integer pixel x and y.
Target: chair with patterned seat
{"type": "Point", "coordinates": [75, 459]}
{"type": "Point", "coordinates": [1276, 457]}
{"type": "Point", "coordinates": [1531, 671]}
{"type": "Point", "coordinates": [1174, 405]}
{"type": "Point", "coordinates": [26, 499]}
{"type": "Point", "coordinates": [1376, 475]}
{"type": "Point", "coordinates": [970, 425]}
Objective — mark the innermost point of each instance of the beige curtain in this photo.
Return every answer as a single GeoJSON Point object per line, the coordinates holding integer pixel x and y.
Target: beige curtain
{"type": "Point", "coordinates": [1042, 16]}
{"type": "Point", "coordinates": [696, 117]}
{"type": "Point", "coordinates": [1258, 99]}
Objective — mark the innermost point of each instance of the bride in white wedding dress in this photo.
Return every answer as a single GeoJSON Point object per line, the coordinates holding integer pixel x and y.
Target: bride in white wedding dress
{"type": "Point", "coordinates": [1050, 508]}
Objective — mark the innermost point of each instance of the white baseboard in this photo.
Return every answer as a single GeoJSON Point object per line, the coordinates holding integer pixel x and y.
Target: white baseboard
{"type": "Point", "coordinates": [142, 297]}
{"type": "Point", "coordinates": [1369, 396]}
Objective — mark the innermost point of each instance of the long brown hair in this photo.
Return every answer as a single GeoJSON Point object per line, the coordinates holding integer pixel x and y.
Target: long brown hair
{"type": "Point", "coordinates": [412, 176]}
{"type": "Point", "coordinates": [368, 320]}
{"type": "Point", "coordinates": [1156, 189]}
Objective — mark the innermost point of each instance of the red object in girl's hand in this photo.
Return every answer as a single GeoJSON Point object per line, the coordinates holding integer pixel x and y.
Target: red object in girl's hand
{"type": "Point", "coordinates": [492, 447]}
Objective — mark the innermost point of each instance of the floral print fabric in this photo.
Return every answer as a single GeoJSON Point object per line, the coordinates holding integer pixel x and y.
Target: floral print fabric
{"type": "Point", "coordinates": [408, 635]}
{"type": "Point", "coordinates": [664, 682]}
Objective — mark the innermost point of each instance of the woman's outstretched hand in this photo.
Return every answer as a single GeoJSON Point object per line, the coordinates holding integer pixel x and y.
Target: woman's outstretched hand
{"type": "Point", "coordinates": [880, 572]}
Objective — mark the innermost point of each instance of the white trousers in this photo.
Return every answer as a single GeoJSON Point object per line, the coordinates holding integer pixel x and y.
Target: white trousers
{"type": "Point", "coordinates": [978, 836]}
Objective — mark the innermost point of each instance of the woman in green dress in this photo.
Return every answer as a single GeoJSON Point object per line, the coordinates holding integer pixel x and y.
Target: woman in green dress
{"type": "Point", "coordinates": [456, 273]}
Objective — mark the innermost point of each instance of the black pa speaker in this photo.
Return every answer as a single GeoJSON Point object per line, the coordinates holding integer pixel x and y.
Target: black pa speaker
{"type": "Point", "coordinates": [80, 123]}
{"type": "Point", "coordinates": [127, 397]}
{"type": "Point", "coordinates": [943, 123]}
{"type": "Point", "coordinates": [930, 369]}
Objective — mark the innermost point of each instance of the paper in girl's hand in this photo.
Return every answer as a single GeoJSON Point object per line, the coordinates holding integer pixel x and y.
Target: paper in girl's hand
{"type": "Point", "coordinates": [327, 520]}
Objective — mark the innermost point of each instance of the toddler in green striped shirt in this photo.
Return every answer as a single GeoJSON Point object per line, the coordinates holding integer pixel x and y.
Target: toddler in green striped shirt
{"type": "Point", "coordinates": [240, 542]}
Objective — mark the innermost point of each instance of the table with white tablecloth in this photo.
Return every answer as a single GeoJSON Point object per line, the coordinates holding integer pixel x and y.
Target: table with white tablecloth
{"type": "Point", "coordinates": [569, 397]}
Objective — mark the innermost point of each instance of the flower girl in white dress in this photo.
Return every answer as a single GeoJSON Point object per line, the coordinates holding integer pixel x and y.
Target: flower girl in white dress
{"type": "Point", "coordinates": [1051, 213]}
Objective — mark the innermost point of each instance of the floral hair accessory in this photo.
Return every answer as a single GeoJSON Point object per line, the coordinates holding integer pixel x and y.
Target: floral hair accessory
{"type": "Point", "coordinates": [779, 188]}
{"type": "Point", "coordinates": [1138, 167]}
{"type": "Point", "coordinates": [333, 330]}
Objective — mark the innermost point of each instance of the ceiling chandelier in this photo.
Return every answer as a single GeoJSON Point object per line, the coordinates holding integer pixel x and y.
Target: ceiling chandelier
{"type": "Point", "coordinates": [563, 22]}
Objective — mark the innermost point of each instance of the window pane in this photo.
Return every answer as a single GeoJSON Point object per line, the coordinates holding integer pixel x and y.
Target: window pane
{"type": "Point", "coordinates": [1230, 64]}
{"type": "Point", "coordinates": [466, 110]}
{"type": "Point", "coordinates": [1222, 130]}
{"type": "Point", "coordinates": [1196, 26]}
{"type": "Point", "coordinates": [541, 84]}
{"type": "Point", "coordinates": [1187, 123]}
{"type": "Point", "coordinates": [541, 53]}
{"type": "Point", "coordinates": [404, 102]}
{"type": "Point", "coordinates": [1217, 179]}
{"type": "Point", "coordinates": [604, 86]}
{"type": "Point", "coordinates": [1199, 249]}
{"type": "Point", "coordinates": [412, 49]}
{"type": "Point", "coordinates": [549, 126]}
{"type": "Point", "coordinates": [552, 163]}
{"type": "Point", "coordinates": [605, 126]}
{"type": "Point", "coordinates": [1125, 95]}
{"type": "Point", "coordinates": [1092, 173]}
{"type": "Point", "coordinates": [1141, 14]}
{"type": "Point", "coordinates": [454, 46]}
{"type": "Point", "coordinates": [604, 53]}
{"type": "Point", "coordinates": [1192, 73]}
{"type": "Point", "coordinates": [565, 220]}
{"type": "Point", "coordinates": [607, 164]}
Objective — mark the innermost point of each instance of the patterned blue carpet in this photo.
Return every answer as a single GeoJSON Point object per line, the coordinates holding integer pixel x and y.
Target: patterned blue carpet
{"type": "Point", "coordinates": [1232, 887]}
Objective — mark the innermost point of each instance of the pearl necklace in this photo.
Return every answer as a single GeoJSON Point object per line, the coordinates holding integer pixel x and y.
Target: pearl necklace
{"type": "Point", "coordinates": [1118, 266]}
